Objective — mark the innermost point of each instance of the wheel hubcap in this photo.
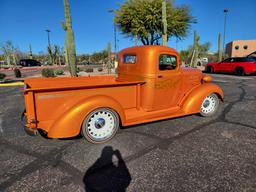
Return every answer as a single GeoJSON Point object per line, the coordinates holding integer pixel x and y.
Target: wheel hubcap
{"type": "Point", "coordinates": [206, 103]}
{"type": "Point", "coordinates": [101, 125]}
{"type": "Point", "coordinates": [209, 104]}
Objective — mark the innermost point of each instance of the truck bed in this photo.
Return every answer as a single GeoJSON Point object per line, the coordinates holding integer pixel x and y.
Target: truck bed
{"type": "Point", "coordinates": [64, 83]}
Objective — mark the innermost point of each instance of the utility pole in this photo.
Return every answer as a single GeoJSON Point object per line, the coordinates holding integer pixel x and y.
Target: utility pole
{"type": "Point", "coordinates": [164, 23]}
{"type": "Point", "coordinates": [224, 36]}
{"type": "Point", "coordinates": [49, 46]}
{"type": "Point", "coordinates": [115, 35]}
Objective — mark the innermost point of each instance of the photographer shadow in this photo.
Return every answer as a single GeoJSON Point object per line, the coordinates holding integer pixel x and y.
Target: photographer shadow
{"type": "Point", "coordinates": [106, 175]}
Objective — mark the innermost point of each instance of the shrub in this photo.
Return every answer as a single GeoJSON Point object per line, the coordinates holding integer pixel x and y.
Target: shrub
{"type": "Point", "coordinates": [100, 69]}
{"type": "Point", "coordinates": [17, 73]}
{"type": "Point", "coordinates": [89, 70]}
{"type": "Point", "coordinates": [59, 72]}
{"type": "Point", "coordinates": [48, 72]}
{"type": "Point", "coordinates": [2, 76]}
{"type": "Point", "coordinates": [78, 69]}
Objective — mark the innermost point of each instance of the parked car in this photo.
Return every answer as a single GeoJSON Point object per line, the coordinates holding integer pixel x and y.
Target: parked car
{"type": "Point", "coordinates": [29, 63]}
{"type": "Point", "coordinates": [236, 65]}
{"type": "Point", "coordinates": [202, 61]}
{"type": "Point", "coordinates": [151, 85]}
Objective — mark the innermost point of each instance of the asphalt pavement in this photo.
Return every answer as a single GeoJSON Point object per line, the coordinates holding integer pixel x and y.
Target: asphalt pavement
{"type": "Point", "coordinates": [190, 153]}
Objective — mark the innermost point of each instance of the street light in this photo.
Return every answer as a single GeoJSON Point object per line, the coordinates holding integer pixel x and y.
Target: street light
{"type": "Point", "coordinates": [224, 36]}
{"type": "Point", "coordinates": [115, 37]}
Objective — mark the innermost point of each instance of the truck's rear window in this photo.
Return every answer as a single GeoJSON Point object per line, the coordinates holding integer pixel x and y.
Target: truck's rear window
{"type": "Point", "coordinates": [129, 59]}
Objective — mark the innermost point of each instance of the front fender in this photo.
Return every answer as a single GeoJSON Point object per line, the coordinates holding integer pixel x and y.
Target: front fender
{"type": "Point", "coordinates": [192, 103]}
{"type": "Point", "coordinates": [69, 124]}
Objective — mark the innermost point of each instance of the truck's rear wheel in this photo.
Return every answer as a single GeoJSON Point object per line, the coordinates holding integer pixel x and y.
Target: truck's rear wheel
{"type": "Point", "coordinates": [100, 125]}
{"type": "Point", "coordinates": [210, 105]}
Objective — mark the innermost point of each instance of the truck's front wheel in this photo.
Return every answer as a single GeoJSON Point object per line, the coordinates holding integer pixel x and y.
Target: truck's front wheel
{"type": "Point", "coordinates": [100, 125]}
{"type": "Point", "coordinates": [210, 105]}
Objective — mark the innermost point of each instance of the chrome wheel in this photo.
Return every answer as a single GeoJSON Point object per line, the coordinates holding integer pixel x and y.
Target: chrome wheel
{"type": "Point", "coordinates": [209, 105]}
{"type": "Point", "coordinates": [100, 125]}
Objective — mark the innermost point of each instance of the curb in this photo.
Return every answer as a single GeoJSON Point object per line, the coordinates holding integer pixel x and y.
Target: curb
{"type": "Point", "coordinates": [11, 84]}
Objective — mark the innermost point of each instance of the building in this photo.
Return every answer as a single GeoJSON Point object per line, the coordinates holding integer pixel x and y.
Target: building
{"type": "Point", "coordinates": [240, 48]}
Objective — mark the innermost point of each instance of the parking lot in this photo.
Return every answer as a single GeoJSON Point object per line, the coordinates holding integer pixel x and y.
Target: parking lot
{"type": "Point", "coordinates": [191, 153]}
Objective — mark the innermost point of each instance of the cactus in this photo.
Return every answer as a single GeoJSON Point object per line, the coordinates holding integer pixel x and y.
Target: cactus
{"type": "Point", "coordinates": [14, 59]}
{"type": "Point", "coordinates": [69, 41]}
{"type": "Point", "coordinates": [220, 48]}
{"type": "Point", "coordinates": [195, 50]}
{"type": "Point", "coordinates": [66, 53]}
{"type": "Point", "coordinates": [164, 22]}
{"type": "Point", "coordinates": [136, 40]}
{"type": "Point", "coordinates": [30, 52]}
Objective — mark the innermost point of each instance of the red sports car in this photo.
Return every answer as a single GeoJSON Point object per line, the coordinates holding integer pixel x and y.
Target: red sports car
{"type": "Point", "coordinates": [237, 65]}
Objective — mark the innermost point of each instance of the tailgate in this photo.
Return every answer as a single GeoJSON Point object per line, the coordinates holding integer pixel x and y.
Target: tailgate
{"type": "Point", "coordinates": [30, 111]}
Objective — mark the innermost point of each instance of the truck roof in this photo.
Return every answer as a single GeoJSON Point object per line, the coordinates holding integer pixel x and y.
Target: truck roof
{"type": "Point", "coordinates": [144, 59]}
{"type": "Point", "coordinates": [148, 49]}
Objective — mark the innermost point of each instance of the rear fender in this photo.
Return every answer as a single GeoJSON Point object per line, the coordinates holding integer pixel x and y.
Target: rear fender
{"type": "Point", "coordinates": [69, 124]}
{"type": "Point", "coordinates": [192, 103]}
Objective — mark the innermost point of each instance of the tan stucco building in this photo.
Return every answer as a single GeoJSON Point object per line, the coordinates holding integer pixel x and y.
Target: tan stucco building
{"type": "Point", "coordinates": [240, 48]}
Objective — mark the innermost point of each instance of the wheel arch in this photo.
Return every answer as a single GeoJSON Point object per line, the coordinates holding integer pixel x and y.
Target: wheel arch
{"type": "Point", "coordinates": [69, 124]}
{"type": "Point", "coordinates": [192, 103]}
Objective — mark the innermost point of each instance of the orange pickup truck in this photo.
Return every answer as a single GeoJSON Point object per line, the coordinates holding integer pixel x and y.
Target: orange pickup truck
{"type": "Point", "coordinates": [151, 85]}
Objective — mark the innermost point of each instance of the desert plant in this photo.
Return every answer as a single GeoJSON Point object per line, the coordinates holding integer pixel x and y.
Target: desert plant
{"type": "Point", "coordinates": [2, 76]}
{"type": "Point", "coordinates": [59, 72]}
{"type": "Point", "coordinates": [48, 72]}
{"type": "Point", "coordinates": [219, 48]}
{"type": "Point", "coordinates": [69, 41]}
{"type": "Point", "coordinates": [17, 73]}
{"type": "Point", "coordinates": [195, 50]}
{"type": "Point", "coordinates": [9, 52]}
{"type": "Point", "coordinates": [89, 70]}
{"type": "Point", "coordinates": [164, 23]}
{"type": "Point", "coordinates": [30, 52]}
{"type": "Point", "coordinates": [78, 69]}
{"type": "Point", "coordinates": [100, 69]}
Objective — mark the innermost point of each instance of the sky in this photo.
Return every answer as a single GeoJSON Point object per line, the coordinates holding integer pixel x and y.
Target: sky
{"type": "Point", "coordinates": [24, 22]}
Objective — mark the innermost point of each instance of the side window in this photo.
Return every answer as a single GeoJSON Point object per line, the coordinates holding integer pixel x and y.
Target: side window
{"type": "Point", "coordinates": [227, 60]}
{"type": "Point", "coordinates": [167, 62]}
{"type": "Point", "coordinates": [129, 59]}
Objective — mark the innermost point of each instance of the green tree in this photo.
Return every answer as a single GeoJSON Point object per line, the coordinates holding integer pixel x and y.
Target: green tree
{"type": "Point", "coordinates": [10, 52]}
{"type": "Point", "coordinates": [202, 50]}
{"type": "Point", "coordinates": [142, 19]}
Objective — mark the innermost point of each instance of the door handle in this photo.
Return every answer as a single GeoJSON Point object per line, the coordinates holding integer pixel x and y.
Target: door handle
{"type": "Point", "coordinates": [160, 76]}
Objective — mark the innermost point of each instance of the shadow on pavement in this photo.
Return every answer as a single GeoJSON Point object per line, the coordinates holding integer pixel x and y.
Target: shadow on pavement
{"type": "Point", "coordinates": [106, 175]}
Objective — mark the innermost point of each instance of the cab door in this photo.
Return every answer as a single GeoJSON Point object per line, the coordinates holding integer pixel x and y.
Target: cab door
{"type": "Point", "coordinates": [168, 82]}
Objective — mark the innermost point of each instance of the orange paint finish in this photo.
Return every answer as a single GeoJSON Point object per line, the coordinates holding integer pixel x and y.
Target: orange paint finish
{"type": "Point", "coordinates": [142, 92]}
